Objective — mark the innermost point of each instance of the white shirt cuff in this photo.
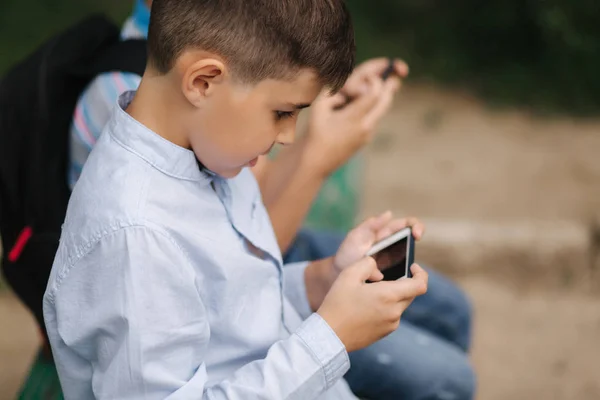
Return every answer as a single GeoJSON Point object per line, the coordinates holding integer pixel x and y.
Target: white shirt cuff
{"type": "Point", "coordinates": [326, 347]}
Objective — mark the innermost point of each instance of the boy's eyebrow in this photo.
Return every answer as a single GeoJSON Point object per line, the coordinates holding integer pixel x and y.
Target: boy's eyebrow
{"type": "Point", "coordinates": [299, 106]}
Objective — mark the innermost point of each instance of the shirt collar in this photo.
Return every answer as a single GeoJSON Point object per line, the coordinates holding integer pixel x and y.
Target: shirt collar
{"type": "Point", "coordinates": [163, 155]}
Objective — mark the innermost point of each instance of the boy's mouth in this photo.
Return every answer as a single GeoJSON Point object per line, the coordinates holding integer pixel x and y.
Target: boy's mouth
{"type": "Point", "coordinates": [253, 162]}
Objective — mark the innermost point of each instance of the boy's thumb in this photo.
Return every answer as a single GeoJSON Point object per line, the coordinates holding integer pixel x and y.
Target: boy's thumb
{"type": "Point", "coordinates": [366, 270]}
{"type": "Point", "coordinates": [327, 101]}
{"type": "Point", "coordinates": [336, 101]}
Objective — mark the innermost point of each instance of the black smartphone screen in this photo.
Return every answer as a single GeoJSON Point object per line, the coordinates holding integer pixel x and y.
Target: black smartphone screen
{"type": "Point", "coordinates": [392, 260]}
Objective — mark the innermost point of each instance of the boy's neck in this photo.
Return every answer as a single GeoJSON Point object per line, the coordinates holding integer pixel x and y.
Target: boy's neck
{"type": "Point", "coordinates": [158, 107]}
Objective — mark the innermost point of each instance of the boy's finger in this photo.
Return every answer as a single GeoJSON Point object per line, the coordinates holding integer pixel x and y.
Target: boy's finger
{"type": "Point", "coordinates": [328, 101]}
{"type": "Point", "coordinates": [377, 66]}
{"type": "Point", "coordinates": [401, 68]}
{"type": "Point", "coordinates": [419, 274]}
{"type": "Point", "coordinates": [376, 275]}
{"type": "Point", "coordinates": [418, 228]}
{"type": "Point", "coordinates": [390, 228]}
{"type": "Point", "coordinates": [402, 289]}
{"type": "Point", "coordinates": [365, 103]}
{"type": "Point", "coordinates": [376, 223]}
{"type": "Point", "coordinates": [383, 104]}
{"type": "Point", "coordinates": [374, 67]}
{"type": "Point", "coordinates": [366, 270]}
{"type": "Point", "coordinates": [407, 289]}
{"type": "Point", "coordinates": [365, 234]}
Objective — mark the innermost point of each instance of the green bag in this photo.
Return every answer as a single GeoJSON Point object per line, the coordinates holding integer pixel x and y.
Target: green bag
{"type": "Point", "coordinates": [338, 203]}
{"type": "Point", "coordinates": [42, 382]}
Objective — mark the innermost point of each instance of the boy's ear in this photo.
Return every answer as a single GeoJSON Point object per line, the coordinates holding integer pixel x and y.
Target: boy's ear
{"type": "Point", "coordinates": [200, 79]}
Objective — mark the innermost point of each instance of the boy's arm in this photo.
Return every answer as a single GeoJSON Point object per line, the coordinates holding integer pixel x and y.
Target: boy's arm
{"type": "Point", "coordinates": [306, 284]}
{"type": "Point", "coordinates": [290, 183]}
{"type": "Point", "coordinates": [92, 112]}
{"type": "Point", "coordinates": [131, 312]}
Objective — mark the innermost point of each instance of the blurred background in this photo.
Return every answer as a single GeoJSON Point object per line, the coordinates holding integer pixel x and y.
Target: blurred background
{"type": "Point", "coordinates": [494, 141]}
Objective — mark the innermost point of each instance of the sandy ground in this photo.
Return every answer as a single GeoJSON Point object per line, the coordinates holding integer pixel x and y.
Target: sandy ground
{"type": "Point", "coordinates": [538, 346]}
{"type": "Point", "coordinates": [18, 344]}
{"type": "Point", "coordinates": [444, 155]}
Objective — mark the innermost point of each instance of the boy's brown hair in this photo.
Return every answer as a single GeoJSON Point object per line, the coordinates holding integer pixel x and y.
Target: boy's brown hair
{"type": "Point", "coordinates": [259, 39]}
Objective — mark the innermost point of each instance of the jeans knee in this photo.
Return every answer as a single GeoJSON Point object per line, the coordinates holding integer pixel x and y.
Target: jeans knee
{"type": "Point", "coordinates": [458, 383]}
{"type": "Point", "coordinates": [464, 319]}
{"type": "Point", "coordinates": [412, 363]}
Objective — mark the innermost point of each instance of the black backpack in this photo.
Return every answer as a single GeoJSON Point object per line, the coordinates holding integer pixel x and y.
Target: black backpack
{"type": "Point", "coordinates": [37, 101]}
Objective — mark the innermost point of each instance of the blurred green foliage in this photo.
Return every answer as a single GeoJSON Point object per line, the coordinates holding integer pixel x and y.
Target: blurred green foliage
{"type": "Point", "coordinates": [25, 24]}
{"type": "Point", "coordinates": [542, 54]}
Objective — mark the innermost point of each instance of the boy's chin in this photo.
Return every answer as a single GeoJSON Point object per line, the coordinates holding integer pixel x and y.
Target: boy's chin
{"type": "Point", "coordinates": [231, 173]}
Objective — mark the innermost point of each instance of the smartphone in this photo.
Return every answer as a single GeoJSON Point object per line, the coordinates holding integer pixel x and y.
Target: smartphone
{"type": "Point", "coordinates": [395, 255]}
{"type": "Point", "coordinates": [391, 69]}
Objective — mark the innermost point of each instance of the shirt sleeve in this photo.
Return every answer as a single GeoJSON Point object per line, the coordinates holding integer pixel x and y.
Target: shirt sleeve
{"type": "Point", "coordinates": [92, 112]}
{"type": "Point", "coordinates": [294, 287]}
{"type": "Point", "coordinates": [131, 310]}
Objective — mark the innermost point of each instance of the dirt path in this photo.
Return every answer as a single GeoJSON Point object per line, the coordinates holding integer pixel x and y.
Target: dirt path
{"type": "Point", "coordinates": [18, 342]}
{"type": "Point", "coordinates": [444, 155]}
{"type": "Point", "coordinates": [538, 346]}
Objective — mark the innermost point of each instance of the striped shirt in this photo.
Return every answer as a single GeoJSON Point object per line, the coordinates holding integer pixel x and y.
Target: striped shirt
{"type": "Point", "coordinates": [96, 103]}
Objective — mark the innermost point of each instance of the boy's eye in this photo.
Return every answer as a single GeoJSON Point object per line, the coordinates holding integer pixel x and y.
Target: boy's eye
{"type": "Point", "coordinates": [279, 115]}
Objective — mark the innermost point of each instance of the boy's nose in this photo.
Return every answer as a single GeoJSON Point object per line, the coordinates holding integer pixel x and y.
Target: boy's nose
{"type": "Point", "coordinates": [287, 136]}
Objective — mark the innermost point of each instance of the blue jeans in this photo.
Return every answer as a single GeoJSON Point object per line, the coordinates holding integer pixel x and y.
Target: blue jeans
{"type": "Point", "coordinates": [426, 357]}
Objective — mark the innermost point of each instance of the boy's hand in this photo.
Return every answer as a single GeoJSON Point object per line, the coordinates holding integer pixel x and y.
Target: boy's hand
{"type": "Point", "coordinates": [374, 67]}
{"type": "Point", "coordinates": [335, 135]}
{"type": "Point", "coordinates": [365, 235]}
{"type": "Point", "coordinates": [361, 313]}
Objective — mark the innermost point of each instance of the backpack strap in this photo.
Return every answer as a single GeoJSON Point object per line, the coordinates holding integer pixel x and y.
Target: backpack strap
{"type": "Point", "coordinates": [122, 56]}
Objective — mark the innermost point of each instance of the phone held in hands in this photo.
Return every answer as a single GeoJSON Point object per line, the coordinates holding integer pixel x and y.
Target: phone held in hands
{"type": "Point", "coordinates": [395, 255]}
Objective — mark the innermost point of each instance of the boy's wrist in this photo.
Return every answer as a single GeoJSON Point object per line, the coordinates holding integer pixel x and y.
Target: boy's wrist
{"type": "Point", "coordinates": [326, 346]}
{"type": "Point", "coordinates": [318, 277]}
{"type": "Point", "coordinates": [314, 160]}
